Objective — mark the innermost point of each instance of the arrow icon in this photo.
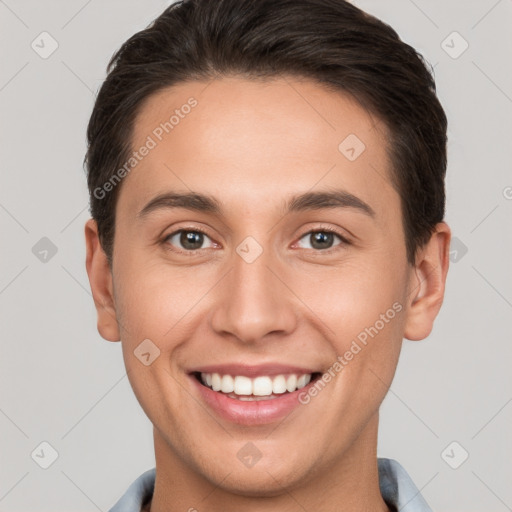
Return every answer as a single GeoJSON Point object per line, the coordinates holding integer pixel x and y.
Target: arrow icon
{"type": "Point", "coordinates": [147, 352]}
{"type": "Point", "coordinates": [458, 249]}
{"type": "Point", "coordinates": [454, 45]}
{"type": "Point", "coordinates": [249, 455]}
{"type": "Point", "coordinates": [454, 455]}
{"type": "Point", "coordinates": [44, 250]}
{"type": "Point", "coordinates": [249, 249]}
{"type": "Point", "coordinates": [351, 147]}
{"type": "Point", "coordinates": [44, 455]}
{"type": "Point", "coordinates": [44, 44]}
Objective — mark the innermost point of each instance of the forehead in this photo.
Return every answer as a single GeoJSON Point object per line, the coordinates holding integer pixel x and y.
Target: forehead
{"type": "Point", "coordinates": [245, 140]}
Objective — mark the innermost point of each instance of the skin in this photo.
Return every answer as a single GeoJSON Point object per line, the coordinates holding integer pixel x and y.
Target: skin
{"type": "Point", "coordinates": [252, 145]}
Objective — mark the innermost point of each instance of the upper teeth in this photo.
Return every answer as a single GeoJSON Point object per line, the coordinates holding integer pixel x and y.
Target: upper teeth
{"type": "Point", "coordinates": [259, 386]}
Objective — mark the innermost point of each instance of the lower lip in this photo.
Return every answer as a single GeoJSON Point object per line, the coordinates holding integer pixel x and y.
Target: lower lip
{"type": "Point", "coordinates": [257, 412]}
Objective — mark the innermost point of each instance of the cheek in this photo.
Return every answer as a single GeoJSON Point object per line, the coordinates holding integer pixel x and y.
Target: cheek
{"type": "Point", "coordinates": [153, 305]}
{"type": "Point", "coordinates": [353, 296]}
{"type": "Point", "coordinates": [362, 304]}
{"type": "Point", "coordinates": [151, 299]}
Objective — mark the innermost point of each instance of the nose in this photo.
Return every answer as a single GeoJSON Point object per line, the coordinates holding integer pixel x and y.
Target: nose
{"type": "Point", "coordinates": [254, 302]}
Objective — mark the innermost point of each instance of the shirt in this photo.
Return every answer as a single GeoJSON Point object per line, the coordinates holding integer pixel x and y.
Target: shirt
{"type": "Point", "coordinates": [396, 487]}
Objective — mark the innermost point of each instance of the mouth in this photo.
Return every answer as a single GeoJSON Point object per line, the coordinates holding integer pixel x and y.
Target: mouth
{"type": "Point", "coordinates": [251, 389]}
{"type": "Point", "coordinates": [252, 395]}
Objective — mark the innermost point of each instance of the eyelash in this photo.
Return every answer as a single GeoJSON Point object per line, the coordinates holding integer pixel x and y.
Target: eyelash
{"type": "Point", "coordinates": [320, 229]}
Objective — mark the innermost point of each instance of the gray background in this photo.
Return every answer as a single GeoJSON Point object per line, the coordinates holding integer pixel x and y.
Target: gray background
{"type": "Point", "coordinates": [60, 382]}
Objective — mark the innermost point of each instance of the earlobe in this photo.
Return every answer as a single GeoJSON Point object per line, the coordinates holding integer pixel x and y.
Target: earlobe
{"type": "Point", "coordinates": [100, 279]}
{"type": "Point", "coordinates": [427, 284]}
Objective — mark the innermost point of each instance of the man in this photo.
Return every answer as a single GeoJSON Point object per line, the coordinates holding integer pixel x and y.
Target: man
{"type": "Point", "coordinates": [267, 194]}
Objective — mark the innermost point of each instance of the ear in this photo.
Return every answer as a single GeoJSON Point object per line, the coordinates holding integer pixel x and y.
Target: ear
{"type": "Point", "coordinates": [427, 284]}
{"type": "Point", "coordinates": [100, 279]}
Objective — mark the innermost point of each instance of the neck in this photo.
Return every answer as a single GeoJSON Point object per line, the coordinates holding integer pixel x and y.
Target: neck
{"type": "Point", "coordinates": [349, 484]}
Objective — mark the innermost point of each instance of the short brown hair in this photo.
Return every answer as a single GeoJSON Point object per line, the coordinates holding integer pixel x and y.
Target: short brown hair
{"type": "Point", "coordinates": [330, 41]}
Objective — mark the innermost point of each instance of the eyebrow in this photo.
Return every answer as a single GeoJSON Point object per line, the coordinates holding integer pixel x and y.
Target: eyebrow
{"type": "Point", "coordinates": [198, 202]}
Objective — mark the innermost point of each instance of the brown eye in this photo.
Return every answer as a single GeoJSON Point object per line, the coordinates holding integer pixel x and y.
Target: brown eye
{"type": "Point", "coordinates": [323, 239]}
{"type": "Point", "coordinates": [187, 240]}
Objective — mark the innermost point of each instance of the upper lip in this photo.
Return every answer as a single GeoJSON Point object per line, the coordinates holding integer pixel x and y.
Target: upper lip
{"type": "Point", "coordinates": [268, 369]}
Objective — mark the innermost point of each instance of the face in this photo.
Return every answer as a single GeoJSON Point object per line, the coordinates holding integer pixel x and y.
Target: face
{"type": "Point", "coordinates": [263, 288]}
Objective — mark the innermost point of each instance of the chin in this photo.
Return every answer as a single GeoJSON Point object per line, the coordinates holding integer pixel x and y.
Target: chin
{"type": "Point", "coordinates": [259, 484]}
{"type": "Point", "coordinates": [264, 479]}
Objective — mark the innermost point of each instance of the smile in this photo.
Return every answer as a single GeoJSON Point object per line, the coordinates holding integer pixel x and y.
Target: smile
{"type": "Point", "coordinates": [264, 387]}
{"type": "Point", "coordinates": [252, 395]}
